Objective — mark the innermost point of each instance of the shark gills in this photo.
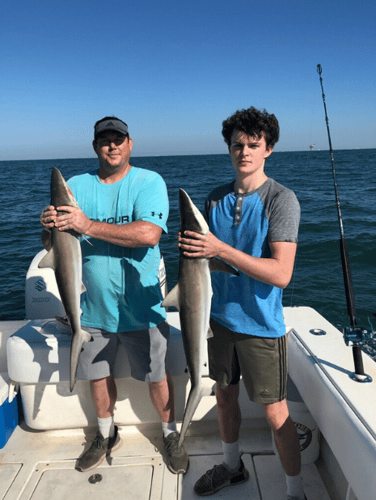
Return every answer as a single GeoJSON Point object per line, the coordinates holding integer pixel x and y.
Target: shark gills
{"type": "Point", "coordinates": [64, 257]}
{"type": "Point", "coordinates": [192, 297]}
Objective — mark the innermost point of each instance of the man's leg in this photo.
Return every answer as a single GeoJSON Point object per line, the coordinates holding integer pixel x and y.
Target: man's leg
{"type": "Point", "coordinates": [162, 397]}
{"type": "Point", "coordinates": [104, 394]}
{"type": "Point", "coordinates": [146, 351]}
{"type": "Point", "coordinates": [287, 443]}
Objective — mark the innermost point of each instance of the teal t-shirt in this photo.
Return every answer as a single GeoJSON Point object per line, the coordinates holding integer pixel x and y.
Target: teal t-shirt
{"type": "Point", "coordinates": [122, 287]}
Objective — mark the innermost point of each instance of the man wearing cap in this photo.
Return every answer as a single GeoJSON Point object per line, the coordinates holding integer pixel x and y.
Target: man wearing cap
{"type": "Point", "coordinates": [122, 212]}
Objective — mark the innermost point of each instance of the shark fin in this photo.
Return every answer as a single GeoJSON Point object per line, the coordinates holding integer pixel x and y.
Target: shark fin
{"type": "Point", "coordinates": [210, 333]}
{"type": "Point", "coordinates": [87, 241]}
{"type": "Point", "coordinates": [172, 298]}
{"type": "Point", "coordinates": [86, 336]}
{"type": "Point", "coordinates": [219, 265]}
{"type": "Point", "coordinates": [63, 322]}
{"type": "Point", "coordinates": [48, 260]}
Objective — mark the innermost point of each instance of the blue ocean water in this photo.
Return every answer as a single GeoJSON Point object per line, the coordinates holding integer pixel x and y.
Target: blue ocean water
{"type": "Point", "coordinates": [317, 280]}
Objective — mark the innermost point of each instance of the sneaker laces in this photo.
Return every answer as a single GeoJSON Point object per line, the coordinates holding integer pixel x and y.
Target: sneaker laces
{"type": "Point", "coordinates": [97, 442]}
{"type": "Point", "coordinates": [218, 472]}
{"type": "Point", "coordinates": [171, 444]}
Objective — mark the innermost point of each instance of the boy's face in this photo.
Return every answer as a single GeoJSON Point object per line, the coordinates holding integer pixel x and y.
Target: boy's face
{"type": "Point", "coordinates": [248, 153]}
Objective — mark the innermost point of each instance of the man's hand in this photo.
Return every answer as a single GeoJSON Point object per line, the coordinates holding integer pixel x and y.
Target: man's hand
{"type": "Point", "coordinates": [47, 217]}
{"type": "Point", "coordinates": [73, 219]}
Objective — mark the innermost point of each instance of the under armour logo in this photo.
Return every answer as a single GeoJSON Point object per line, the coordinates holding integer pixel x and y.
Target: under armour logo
{"type": "Point", "coordinates": [160, 215]}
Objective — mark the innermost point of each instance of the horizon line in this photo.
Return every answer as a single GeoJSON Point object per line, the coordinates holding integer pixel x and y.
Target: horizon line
{"type": "Point", "coordinates": [193, 154]}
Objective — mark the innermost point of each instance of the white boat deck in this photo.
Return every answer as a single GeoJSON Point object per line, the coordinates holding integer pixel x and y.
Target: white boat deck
{"type": "Point", "coordinates": [40, 465]}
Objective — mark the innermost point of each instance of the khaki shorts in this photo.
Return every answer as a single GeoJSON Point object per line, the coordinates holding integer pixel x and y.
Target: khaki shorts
{"type": "Point", "coordinates": [146, 351]}
{"type": "Point", "coordinates": [262, 363]}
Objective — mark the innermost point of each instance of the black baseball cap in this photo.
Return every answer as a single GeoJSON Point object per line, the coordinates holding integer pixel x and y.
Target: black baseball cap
{"type": "Point", "coordinates": [111, 124]}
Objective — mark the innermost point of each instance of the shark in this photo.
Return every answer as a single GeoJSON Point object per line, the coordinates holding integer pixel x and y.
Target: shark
{"type": "Point", "coordinates": [192, 297]}
{"type": "Point", "coordinates": [65, 258]}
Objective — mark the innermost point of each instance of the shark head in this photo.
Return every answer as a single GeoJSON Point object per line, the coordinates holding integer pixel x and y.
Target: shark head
{"type": "Point", "coordinates": [60, 192]}
{"type": "Point", "coordinates": [191, 218]}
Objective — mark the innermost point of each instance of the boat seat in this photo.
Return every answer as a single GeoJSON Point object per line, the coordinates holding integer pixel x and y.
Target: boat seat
{"type": "Point", "coordinates": [39, 352]}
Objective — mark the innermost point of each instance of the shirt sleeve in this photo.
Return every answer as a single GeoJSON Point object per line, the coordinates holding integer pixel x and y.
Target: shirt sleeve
{"type": "Point", "coordinates": [284, 217]}
{"type": "Point", "coordinates": [151, 203]}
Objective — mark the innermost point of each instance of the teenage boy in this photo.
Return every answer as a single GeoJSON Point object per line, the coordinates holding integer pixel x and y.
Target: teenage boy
{"type": "Point", "coordinates": [253, 225]}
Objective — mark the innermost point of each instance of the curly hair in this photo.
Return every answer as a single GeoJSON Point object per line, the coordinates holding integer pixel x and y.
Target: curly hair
{"type": "Point", "coordinates": [253, 122]}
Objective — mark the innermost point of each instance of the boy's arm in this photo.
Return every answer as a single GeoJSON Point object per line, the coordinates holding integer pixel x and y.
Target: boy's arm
{"type": "Point", "coordinates": [276, 270]}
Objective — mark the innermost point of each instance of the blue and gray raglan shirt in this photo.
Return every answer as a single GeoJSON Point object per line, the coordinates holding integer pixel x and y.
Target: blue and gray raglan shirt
{"type": "Point", "coordinates": [123, 292]}
{"type": "Point", "coordinates": [249, 222]}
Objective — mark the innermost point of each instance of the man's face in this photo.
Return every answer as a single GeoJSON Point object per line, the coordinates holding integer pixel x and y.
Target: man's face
{"type": "Point", "coordinates": [248, 153]}
{"type": "Point", "coordinates": [113, 150]}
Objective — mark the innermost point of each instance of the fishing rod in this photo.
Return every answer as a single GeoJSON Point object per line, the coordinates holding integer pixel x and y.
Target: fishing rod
{"type": "Point", "coordinates": [354, 334]}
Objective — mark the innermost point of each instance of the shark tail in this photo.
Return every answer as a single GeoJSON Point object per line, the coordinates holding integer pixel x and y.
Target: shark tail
{"type": "Point", "coordinates": [191, 406]}
{"type": "Point", "coordinates": [78, 339]}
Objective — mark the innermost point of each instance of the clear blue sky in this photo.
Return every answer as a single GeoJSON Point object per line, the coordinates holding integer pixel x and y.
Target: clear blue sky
{"type": "Point", "coordinates": [174, 70]}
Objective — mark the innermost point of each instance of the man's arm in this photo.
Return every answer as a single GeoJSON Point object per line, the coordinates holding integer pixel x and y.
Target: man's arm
{"type": "Point", "coordinates": [133, 234]}
{"type": "Point", "coordinates": [276, 270]}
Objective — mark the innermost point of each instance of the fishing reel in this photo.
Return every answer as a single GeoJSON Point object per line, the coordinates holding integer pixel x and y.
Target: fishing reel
{"type": "Point", "coordinates": [358, 335]}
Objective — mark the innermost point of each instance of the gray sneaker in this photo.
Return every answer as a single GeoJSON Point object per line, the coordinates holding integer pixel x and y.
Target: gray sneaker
{"type": "Point", "coordinates": [98, 451]}
{"type": "Point", "coordinates": [219, 477]}
{"type": "Point", "coordinates": [178, 459]}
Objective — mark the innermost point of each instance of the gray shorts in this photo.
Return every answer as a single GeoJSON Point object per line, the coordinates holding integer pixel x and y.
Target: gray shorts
{"type": "Point", "coordinates": [146, 350]}
{"type": "Point", "coordinates": [261, 361]}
